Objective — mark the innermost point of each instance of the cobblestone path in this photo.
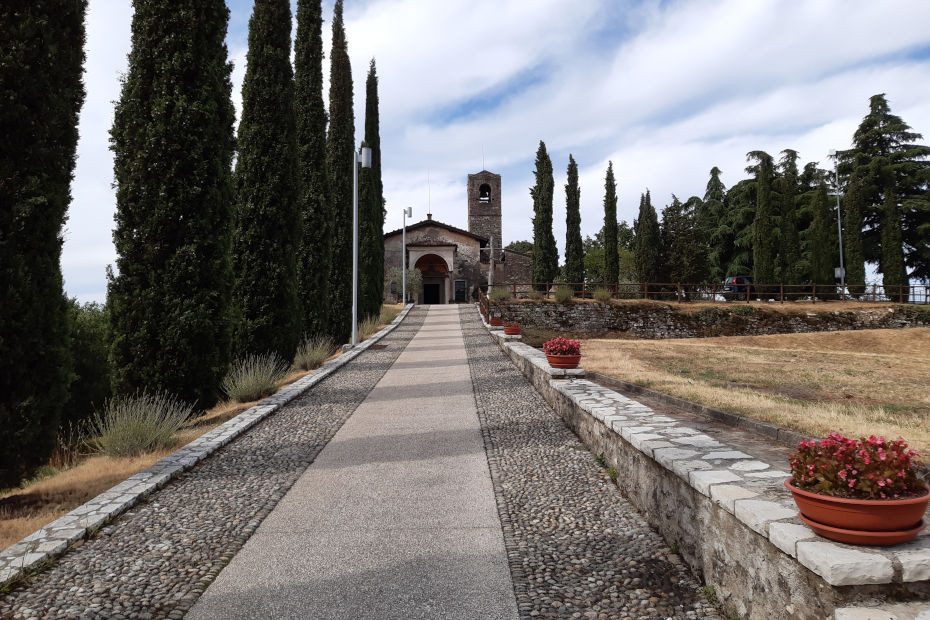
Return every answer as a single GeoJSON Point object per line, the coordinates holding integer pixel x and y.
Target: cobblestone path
{"type": "Point", "coordinates": [156, 560]}
{"type": "Point", "coordinates": [576, 548]}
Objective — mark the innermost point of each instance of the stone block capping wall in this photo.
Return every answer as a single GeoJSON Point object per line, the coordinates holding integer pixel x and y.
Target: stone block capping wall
{"type": "Point", "coordinates": [657, 320]}
{"type": "Point", "coordinates": [728, 512]}
{"type": "Point", "coordinates": [32, 552]}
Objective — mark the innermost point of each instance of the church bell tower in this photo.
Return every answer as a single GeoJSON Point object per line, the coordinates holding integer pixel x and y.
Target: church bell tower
{"type": "Point", "coordinates": [484, 206]}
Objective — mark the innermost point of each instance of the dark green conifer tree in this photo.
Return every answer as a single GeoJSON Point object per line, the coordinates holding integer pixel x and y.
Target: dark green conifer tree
{"type": "Point", "coordinates": [611, 253]}
{"type": "Point", "coordinates": [894, 274]}
{"type": "Point", "coordinates": [173, 144]}
{"type": "Point", "coordinates": [763, 225]}
{"type": "Point", "coordinates": [647, 242]}
{"type": "Point", "coordinates": [574, 251]}
{"type": "Point", "coordinates": [340, 146]}
{"type": "Point", "coordinates": [313, 256]}
{"type": "Point", "coordinates": [371, 209]}
{"type": "Point", "coordinates": [267, 217]}
{"type": "Point", "coordinates": [545, 252]}
{"type": "Point", "coordinates": [713, 219]}
{"type": "Point", "coordinates": [853, 246]}
{"type": "Point", "coordinates": [740, 209]}
{"type": "Point", "coordinates": [821, 238]}
{"type": "Point", "coordinates": [787, 266]}
{"type": "Point", "coordinates": [42, 57]}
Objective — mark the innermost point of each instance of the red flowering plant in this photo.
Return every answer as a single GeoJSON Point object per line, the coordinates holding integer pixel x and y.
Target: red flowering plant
{"type": "Point", "coordinates": [870, 468]}
{"type": "Point", "coordinates": [562, 346]}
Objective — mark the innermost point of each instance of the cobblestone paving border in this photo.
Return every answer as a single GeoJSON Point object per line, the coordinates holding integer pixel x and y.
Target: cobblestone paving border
{"type": "Point", "coordinates": [156, 559]}
{"type": "Point", "coordinates": [576, 548]}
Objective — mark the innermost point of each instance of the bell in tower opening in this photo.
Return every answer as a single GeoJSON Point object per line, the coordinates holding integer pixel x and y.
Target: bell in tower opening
{"type": "Point", "coordinates": [484, 193]}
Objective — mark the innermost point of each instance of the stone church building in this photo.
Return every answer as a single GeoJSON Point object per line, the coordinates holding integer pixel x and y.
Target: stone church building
{"type": "Point", "coordinates": [454, 261]}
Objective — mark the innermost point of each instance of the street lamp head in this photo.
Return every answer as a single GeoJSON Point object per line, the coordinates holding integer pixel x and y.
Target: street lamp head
{"type": "Point", "coordinates": [408, 211]}
{"type": "Point", "coordinates": [366, 157]}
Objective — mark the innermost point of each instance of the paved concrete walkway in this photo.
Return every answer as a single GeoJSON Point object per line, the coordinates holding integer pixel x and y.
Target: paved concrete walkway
{"type": "Point", "coordinates": [396, 518]}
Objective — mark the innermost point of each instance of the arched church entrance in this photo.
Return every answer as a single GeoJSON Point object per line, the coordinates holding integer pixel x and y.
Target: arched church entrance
{"type": "Point", "coordinates": [435, 273]}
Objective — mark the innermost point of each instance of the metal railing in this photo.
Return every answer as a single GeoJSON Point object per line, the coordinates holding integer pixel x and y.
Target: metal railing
{"type": "Point", "coordinates": [684, 292]}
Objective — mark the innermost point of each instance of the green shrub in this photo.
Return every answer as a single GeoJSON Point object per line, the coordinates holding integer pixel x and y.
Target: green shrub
{"type": "Point", "coordinates": [90, 334]}
{"type": "Point", "coordinates": [564, 294]}
{"type": "Point", "coordinates": [254, 377]}
{"type": "Point", "coordinates": [742, 310]}
{"type": "Point", "coordinates": [499, 293]}
{"type": "Point", "coordinates": [313, 352]}
{"type": "Point", "coordinates": [602, 295]}
{"type": "Point", "coordinates": [132, 425]}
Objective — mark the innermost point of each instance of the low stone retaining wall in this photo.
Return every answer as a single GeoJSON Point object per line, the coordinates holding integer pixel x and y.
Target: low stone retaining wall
{"type": "Point", "coordinates": [729, 514]}
{"type": "Point", "coordinates": [32, 552]}
{"type": "Point", "coordinates": [660, 320]}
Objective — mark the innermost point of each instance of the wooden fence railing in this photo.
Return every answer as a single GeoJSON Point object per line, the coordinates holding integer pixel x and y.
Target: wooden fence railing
{"type": "Point", "coordinates": [683, 292]}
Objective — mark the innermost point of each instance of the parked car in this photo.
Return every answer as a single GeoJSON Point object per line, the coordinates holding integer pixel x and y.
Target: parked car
{"type": "Point", "coordinates": [736, 287]}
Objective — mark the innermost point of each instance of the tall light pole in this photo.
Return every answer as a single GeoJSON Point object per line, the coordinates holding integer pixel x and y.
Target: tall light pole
{"type": "Point", "coordinates": [839, 225]}
{"type": "Point", "coordinates": [364, 158]}
{"type": "Point", "coordinates": [408, 212]}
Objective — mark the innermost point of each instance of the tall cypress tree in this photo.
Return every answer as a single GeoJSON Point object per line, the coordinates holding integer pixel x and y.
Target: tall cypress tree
{"type": "Point", "coordinates": [313, 255]}
{"type": "Point", "coordinates": [340, 146]}
{"type": "Point", "coordinates": [42, 58]}
{"type": "Point", "coordinates": [173, 144]}
{"type": "Point", "coordinates": [611, 254]}
{"type": "Point", "coordinates": [371, 209]}
{"type": "Point", "coordinates": [820, 239]}
{"type": "Point", "coordinates": [574, 250]}
{"type": "Point", "coordinates": [545, 252]}
{"type": "Point", "coordinates": [647, 242]}
{"type": "Point", "coordinates": [853, 247]}
{"type": "Point", "coordinates": [789, 247]}
{"type": "Point", "coordinates": [763, 225]}
{"type": "Point", "coordinates": [894, 274]}
{"type": "Point", "coordinates": [267, 218]}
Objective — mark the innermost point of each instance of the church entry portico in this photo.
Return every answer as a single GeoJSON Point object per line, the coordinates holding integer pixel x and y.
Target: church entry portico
{"type": "Point", "coordinates": [435, 271]}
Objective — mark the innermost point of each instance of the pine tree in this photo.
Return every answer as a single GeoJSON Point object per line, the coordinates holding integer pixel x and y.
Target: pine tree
{"type": "Point", "coordinates": [713, 219]}
{"type": "Point", "coordinates": [173, 144]}
{"type": "Point", "coordinates": [853, 247]}
{"type": "Point", "coordinates": [789, 245]}
{"type": "Point", "coordinates": [267, 218]}
{"type": "Point", "coordinates": [42, 56]}
{"type": "Point", "coordinates": [883, 135]}
{"type": "Point", "coordinates": [574, 251]}
{"type": "Point", "coordinates": [647, 242]}
{"type": "Point", "coordinates": [763, 241]}
{"type": "Point", "coordinates": [740, 208]}
{"type": "Point", "coordinates": [313, 256]}
{"type": "Point", "coordinates": [820, 239]}
{"type": "Point", "coordinates": [611, 255]}
{"type": "Point", "coordinates": [545, 252]}
{"type": "Point", "coordinates": [371, 209]}
{"type": "Point", "coordinates": [340, 149]}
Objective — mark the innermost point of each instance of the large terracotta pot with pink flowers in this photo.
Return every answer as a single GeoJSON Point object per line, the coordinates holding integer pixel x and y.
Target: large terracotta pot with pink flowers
{"type": "Point", "coordinates": [562, 353]}
{"type": "Point", "coordinates": [863, 492]}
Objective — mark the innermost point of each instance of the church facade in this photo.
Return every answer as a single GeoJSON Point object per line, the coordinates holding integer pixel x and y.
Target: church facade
{"type": "Point", "coordinates": [453, 261]}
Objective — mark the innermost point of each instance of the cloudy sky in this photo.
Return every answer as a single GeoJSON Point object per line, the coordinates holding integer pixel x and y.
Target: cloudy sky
{"type": "Point", "coordinates": [665, 90]}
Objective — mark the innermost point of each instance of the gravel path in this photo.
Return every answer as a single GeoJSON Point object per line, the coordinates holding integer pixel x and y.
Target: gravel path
{"type": "Point", "coordinates": [156, 560]}
{"type": "Point", "coordinates": [576, 548]}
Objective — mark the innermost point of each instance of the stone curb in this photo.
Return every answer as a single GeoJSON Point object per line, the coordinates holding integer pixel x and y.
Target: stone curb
{"type": "Point", "coordinates": [53, 540]}
{"type": "Point", "coordinates": [749, 489]}
{"type": "Point", "coordinates": [781, 435]}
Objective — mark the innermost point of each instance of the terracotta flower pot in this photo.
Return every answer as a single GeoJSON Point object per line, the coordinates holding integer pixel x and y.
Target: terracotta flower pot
{"type": "Point", "coordinates": [563, 361]}
{"type": "Point", "coordinates": [513, 331]}
{"type": "Point", "coordinates": [497, 321]}
{"type": "Point", "coordinates": [861, 521]}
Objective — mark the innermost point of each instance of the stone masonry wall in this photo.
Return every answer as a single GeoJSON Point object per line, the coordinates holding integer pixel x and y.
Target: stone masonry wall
{"type": "Point", "coordinates": [659, 320]}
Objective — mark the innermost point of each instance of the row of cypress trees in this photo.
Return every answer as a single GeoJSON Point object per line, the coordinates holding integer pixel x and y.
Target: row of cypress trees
{"type": "Point", "coordinates": [214, 264]}
{"type": "Point", "coordinates": [778, 225]}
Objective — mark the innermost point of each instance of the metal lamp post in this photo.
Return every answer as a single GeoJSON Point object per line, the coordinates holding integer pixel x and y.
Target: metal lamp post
{"type": "Point", "coordinates": [364, 158]}
{"type": "Point", "coordinates": [408, 212]}
{"type": "Point", "coordinates": [839, 225]}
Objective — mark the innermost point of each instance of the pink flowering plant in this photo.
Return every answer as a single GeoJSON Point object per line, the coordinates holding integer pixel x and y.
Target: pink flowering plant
{"type": "Point", "coordinates": [562, 346]}
{"type": "Point", "coordinates": [872, 468]}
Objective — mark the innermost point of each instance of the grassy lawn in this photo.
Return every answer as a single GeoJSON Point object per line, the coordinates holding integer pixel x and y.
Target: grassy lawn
{"type": "Point", "coordinates": [856, 382]}
{"type": "Point", "coordinates": [55, 492]}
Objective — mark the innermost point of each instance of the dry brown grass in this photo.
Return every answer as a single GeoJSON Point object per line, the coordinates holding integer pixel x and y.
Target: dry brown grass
{"type": "Point", "coordinates": [856, 382]}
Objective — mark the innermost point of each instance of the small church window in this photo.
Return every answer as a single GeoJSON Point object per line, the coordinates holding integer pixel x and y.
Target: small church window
{"type": "Point", "coordinates": [484, 193]}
